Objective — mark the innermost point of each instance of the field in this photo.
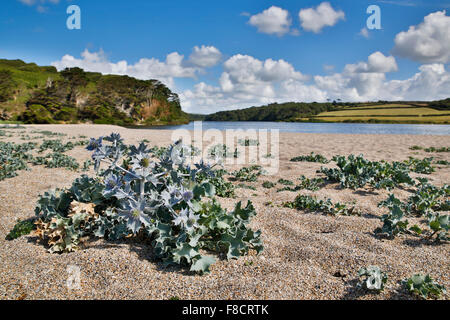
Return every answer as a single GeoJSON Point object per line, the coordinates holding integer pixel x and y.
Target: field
{"type": "Point", "coordinates": [389, 113]}
{"type": "Point", "coordinates": [307, 254]}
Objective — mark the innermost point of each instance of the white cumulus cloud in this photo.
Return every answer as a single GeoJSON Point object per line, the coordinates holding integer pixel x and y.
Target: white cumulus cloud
{"type": "Point", "coordinates": [205, 56]}
{"type": "Point", "coordinates": [376, 63]}
{"type": "Point", "coordinates": [315, 19]}
{"type": "Point", "coordinates": [247, 81]}
{"type": "Point", "coordinates": [274, 20]}
{"type": "Point", "coordinates": [429, 42]}
{"type": "Point", "coordinates": [145, 68]}
{"type": "Point", "coordinates": [174, 66]}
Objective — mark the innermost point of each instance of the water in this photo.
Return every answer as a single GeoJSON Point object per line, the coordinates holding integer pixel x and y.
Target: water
{"type": "Point", "coordinates": [346, 128]}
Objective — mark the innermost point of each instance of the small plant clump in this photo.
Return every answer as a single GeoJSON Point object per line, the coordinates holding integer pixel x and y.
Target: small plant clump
{"type": "Point", "coordinates": [21, 228]}
{"type": "Point", "coordinates": [311, 158]}
{"type": "Point", "coordinates": [268, 185]}
{"type": "Point", "coordinates": [423, 166]}
{"type": "Point", "coordinates": [424, 286]}
{"type": "Point", "coordinates": [159, 199]}
{"type": "Point", "coordinates": [57, 160]}
{"type": "Point", "coordinates": [221, 152]}
{"type": "Point", "coordinates": [443, 162]}
{"type": "Point", "coordinates": [285, 182]}
{"type": "Point", "coordinates": [58, 146]}
{"type": "Point", "coordinates": [13, 158]}
{"type": "Point", "coordinates": [248, 174]}
{"type": "Point", "coordinates": [372, 278]}
{"type": "Point", "coordinates": [356, 172]}
{"type": "Point", "coordinates": [438, 150]}
{"type": "Point", "coordinates": [395, 221]}
{"type": "Point", "coordinates": [431, 149]}
{"type": "Point", "coordinates": [313, 184]}
{"type": "Point", "coordinates": [248, 142]}
{"type": "Point", "coordinates": [311, 204]}
{"type": "Point", "coordinates": [224, 188]}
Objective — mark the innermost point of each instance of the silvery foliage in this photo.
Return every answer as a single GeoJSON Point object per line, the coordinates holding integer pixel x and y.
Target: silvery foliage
{"type": "Point", "coordinates": [372, 278]}
{"type": "Point", "coordinates": [424, 286]}
{"type": "Point", "coordinates": [160, 198]}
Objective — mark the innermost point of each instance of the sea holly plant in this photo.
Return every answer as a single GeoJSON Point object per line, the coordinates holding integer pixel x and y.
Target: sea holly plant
{"type": "Point", "coordinates": [311, 204]}
{"type": "Point", "coordinates": [424, 286]}
{"type": "Point", "coordinates": [356, 172]}
{"type": "Point", "coordinates": [372, 278]}
{"type": "Point", "coordinates": [160, 197]}
{"type": "Point", "coordinates": [394, 222]}
{"type": "Point", "coordinates": [427, 201]}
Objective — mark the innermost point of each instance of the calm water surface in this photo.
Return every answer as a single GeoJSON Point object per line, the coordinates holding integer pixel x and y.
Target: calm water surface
{"type": "Point", "coordinates": [347, 128]}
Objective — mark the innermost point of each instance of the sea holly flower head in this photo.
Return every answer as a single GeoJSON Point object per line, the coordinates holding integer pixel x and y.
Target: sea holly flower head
{"type": "Point", "coordinates": [187, 220]}
{"type": "Point", "coordinates": [94, 144]}
{"type": "Point", "coordinates": [112, 182]}
{"type": "Point", "coordinates": [188, 195]}
{"type": "Point", "coordinates": [134, 214]}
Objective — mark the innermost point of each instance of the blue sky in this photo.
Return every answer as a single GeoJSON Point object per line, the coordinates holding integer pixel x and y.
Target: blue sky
{"type": "Point", "coordinates": [248, 52]}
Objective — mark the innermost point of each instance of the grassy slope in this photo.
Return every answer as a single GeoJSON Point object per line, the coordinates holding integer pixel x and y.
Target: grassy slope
{"type": "Point", "coordinates": [27, 81]}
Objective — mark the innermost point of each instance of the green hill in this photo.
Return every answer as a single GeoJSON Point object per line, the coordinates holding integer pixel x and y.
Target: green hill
{"type": "Point", "coordinates": [35, 94]}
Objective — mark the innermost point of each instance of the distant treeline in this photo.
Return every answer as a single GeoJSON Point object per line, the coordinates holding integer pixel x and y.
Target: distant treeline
{"type": "Point", "coordinates": [290, 111]}
{"type": "Point", "coordinates": [440, 104]}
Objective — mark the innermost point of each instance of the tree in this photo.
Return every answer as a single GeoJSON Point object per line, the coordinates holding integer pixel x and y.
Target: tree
{"type": "Point", "coordinates": [76, 78]}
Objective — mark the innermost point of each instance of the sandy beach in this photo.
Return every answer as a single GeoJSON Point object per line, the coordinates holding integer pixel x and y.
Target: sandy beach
{"type": "Point", "coordinates": [306, 255]}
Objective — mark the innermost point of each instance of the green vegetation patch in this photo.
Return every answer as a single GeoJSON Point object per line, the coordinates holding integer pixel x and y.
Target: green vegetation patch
{"type": "Point", "coordinates": [311, 158]}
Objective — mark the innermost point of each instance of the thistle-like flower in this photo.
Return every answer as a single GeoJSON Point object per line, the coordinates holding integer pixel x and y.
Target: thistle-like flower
{"type": "Point", "coordinates": [134, 215]}
{"type": "Point", "coordinates": [94, 144]}
{"type": "Point", "coordinates": [142, 164]}
{"type": "Point", "coordinates": [112, 182]}
{"type": "Point", "coordinates": [187, 220]}
{"type": "Point", "coordinates": [188, 195]}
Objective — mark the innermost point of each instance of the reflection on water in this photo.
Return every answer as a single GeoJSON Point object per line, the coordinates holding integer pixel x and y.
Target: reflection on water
{"type": "Point", "coordinates": [346, 128]}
